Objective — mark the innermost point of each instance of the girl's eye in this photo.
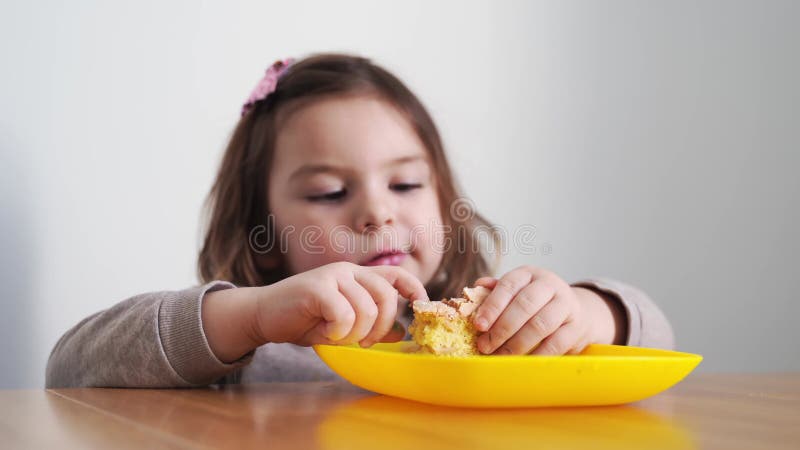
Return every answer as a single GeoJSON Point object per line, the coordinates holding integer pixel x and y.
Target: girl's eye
{"type": "Point", "coordinates": [405, 187]}
{"type": "Point", "coordinates": [329, 197]}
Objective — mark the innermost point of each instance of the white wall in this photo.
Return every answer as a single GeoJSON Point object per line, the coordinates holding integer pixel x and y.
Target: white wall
{"type": "Point", "coordinates": [652, 142]}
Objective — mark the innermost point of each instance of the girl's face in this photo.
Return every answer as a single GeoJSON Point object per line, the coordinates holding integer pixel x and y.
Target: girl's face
{"type": "Point", "coordinates": [351, 181]}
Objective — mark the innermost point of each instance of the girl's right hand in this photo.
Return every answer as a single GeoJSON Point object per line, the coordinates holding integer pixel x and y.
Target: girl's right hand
{"type": "Point", "coordinates": [338, 303]}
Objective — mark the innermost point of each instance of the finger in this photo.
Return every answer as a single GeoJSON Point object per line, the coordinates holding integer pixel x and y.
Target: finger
{"type": "Point", "coordinates": [537, 328]}
{"type": "Point", "coordinates": [385, 297]}
{"type": "Point", "coordinates": [364, 306]}
{"type": "Point", "coordinates": [525, 305]}
{"type": "Point", "coordinates": [487, 282]}
{"type": "Point", "coordinates": [407, 284]}
{"type": "Point", "coordinates": [562, 340]}
{"type": "Point", "coordinates": [495, 303]}
{"type": "Point", "coordinates": [546, 322]}
{"type": "Point", "coordinates": [397, 333]}
{"type": "Point", "coordinates": [578, 348]}
{"type": "Point", "coordinates": [338, 316]}
{"type": "Point", "coordinates": [315, 336]}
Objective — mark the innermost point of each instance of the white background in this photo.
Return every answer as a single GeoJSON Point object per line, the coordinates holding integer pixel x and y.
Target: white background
{"type": "Point", "coordinates": [655, 143]}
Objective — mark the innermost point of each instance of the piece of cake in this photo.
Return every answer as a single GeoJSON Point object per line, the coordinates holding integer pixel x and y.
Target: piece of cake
{"type": "Point", "coordinates": [445, 327]}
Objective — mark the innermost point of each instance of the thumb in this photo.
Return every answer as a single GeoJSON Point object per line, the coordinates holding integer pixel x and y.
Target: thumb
{"type": "Point", "coordinates": [397, 333]}
{"type": "Point", "coordinates": [487, 282]}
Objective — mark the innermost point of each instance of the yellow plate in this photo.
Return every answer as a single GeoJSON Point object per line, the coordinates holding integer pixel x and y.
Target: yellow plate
{"type": "Point", "coordinates": [601, 375]}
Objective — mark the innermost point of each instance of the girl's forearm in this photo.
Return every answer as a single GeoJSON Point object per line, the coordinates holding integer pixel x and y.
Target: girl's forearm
{"type": "Point", "coordinates": [229, 322]}
{"type": "Point", "coordinates": [610, 323]}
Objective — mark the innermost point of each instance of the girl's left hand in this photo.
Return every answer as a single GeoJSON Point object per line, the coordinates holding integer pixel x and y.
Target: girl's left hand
{"type": "Point", "coordinates": [532, 310]}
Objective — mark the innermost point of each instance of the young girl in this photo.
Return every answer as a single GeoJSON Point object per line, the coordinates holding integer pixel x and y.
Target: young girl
{"type": "Point", "coordinates": [330, 209]}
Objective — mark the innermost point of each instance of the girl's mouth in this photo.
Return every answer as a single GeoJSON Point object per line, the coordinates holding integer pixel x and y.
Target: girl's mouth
{"type": "Point", "coordinates": [393, 258]}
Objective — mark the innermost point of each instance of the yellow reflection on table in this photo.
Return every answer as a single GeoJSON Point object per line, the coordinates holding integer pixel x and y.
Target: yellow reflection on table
{"type": "Point", "coordinates": [383, 422]}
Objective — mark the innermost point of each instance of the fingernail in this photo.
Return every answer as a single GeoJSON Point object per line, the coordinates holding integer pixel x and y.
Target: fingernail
{"type": "Point", "coordinates": [365, 343]}
{"type": "Point", "coordinates": [481, 323]}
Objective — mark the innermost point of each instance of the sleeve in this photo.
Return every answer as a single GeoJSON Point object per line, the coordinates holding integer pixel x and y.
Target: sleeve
{"type": "Point", "coordinates": [152, 340]}
{"type": "Point", "coordinates": [647, 324]}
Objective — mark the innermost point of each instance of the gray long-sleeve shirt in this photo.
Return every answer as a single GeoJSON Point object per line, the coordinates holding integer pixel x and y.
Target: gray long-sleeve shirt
{"type": "Point", "coordinates": [156, 339]}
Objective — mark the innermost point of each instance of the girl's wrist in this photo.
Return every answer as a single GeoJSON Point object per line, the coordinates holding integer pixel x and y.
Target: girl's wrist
{"type": "Point", "coordinates": [229, 322]}
{"type": "Point", "coordinates": [605, 316]}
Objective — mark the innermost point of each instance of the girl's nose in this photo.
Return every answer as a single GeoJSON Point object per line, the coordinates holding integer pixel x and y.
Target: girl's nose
{"type": "Point", "coordinates": [373, 213]}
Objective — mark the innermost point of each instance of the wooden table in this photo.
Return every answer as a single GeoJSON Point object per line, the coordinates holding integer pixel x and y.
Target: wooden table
{"type": "Point", "coordinates": [726, 411]}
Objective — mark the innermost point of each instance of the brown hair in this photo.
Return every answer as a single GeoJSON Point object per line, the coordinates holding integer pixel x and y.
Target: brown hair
{"type": "Point", "coordinates": [237, 201]}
